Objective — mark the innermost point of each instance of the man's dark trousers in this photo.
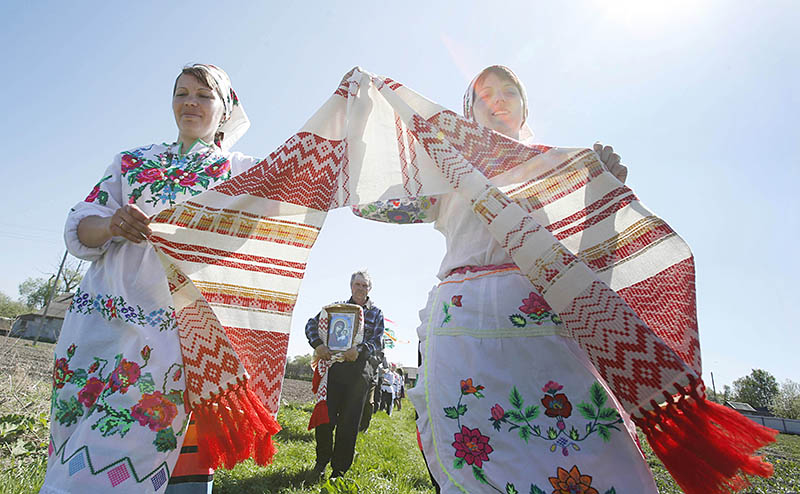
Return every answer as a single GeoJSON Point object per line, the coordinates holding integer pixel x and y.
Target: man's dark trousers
{"type": "Point", "coordinates": [348, 383]}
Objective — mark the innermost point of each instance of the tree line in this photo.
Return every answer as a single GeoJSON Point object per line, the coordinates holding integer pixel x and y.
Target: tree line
{"type": "Point", "coordinates": [761, 390]}
{"type": "Point", "coordinates": [35, 291]}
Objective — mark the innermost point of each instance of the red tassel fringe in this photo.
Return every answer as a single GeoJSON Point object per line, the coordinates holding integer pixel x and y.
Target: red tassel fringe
{"type": "Point", "coordinates": [315, 380]}
{"type": "Point", "coordinates": [320, 415]}
{"type": "Point", "coordinates": [707, 448]}
{"type": "Point", "coordinates": [234, 426]}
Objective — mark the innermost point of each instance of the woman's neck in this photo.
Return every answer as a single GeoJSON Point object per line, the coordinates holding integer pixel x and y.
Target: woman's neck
{"type": "Point", "coordinates": [186, 143]}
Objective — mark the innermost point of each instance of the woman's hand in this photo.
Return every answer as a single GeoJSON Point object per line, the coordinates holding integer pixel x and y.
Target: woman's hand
{"type": "Point", "coordinates": [611, 160]}
{"type": "Point", "coordinates": [131, 223]}
{"type": "Point", "coordinates": [128, 222]}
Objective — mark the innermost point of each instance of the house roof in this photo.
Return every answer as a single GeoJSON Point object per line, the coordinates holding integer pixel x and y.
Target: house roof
{"type": "Point", "coordinates": [58, 307]}
{"type": "Point", "coordinates": [739, 406]}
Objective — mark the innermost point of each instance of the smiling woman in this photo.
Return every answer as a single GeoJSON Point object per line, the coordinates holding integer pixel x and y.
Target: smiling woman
{"type": "Point", "coordinates": [197, 102]}
{"type": "Point", "coordinates": [121, 399]}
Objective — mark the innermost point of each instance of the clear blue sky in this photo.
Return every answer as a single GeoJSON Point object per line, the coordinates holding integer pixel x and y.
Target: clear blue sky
{"type": "Point", "coordinates": [700, 99]}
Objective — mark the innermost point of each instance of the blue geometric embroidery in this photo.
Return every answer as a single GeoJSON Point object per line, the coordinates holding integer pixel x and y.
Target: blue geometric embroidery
{"type": "Point", "coordinates": [76, 464]}
{"type": "Point", "coordinates": [159, 479]}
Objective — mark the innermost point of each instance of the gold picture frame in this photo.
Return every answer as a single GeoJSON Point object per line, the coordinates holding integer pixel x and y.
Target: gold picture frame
{"type": "Point", "coordinates": [344, 326]}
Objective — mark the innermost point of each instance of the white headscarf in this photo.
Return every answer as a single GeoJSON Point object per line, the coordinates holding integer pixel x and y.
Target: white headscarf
{"type": "Point", "coordinates": [525, 132]}
{"type": "Point", "coordinates": [234, 121]}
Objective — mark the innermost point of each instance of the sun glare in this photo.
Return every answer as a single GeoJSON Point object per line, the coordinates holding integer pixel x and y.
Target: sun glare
{"type": "Point", "coordinates": [650, 17]}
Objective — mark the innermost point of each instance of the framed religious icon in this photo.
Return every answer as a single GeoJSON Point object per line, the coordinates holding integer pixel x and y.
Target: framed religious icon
{"type": "Point", "coordinates": [341, 326]}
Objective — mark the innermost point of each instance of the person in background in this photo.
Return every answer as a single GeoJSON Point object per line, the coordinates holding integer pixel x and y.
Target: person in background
{"type": "Point", "coordinates": [400, 389]}
{"type": "Point", "coordinates": [388, 389]}
{"type": "Point", "coordinates": [348, 382]}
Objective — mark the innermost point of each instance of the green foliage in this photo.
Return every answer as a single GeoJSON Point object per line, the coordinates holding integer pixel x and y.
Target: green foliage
{"type": "Point", "coordinates": [758, 389]}
{"type": "Point", "coordinates": [515, 398]}
{"type": "Point", "coordinates": [340, 485]}
{"type": "Point", "coordinates": [34, 291]}
{"type": "Point", "coordinates": [299, 367]}
{"type": "Point", "coordinates": [479, 475]}
{"type": "Point", "coordinates": [11, 308]}
{"type": "Point", "coordinates": [165, 440]}
{"type": "Point", "coordinates": [786, 403]}
{"type": "Point", "coordinates": [599, 396]}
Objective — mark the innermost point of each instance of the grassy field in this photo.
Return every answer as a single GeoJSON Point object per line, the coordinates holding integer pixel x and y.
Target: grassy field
{"type": "Point", "coordinates": [387, 459]}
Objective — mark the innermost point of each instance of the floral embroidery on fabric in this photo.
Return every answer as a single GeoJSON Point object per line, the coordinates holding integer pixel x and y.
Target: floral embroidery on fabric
{"type": "Point", "coordinates": [556, 405]}
{"type": "Point", "coordinates": [455, 301]}
{"type": "Point", "coordinates": [166, 174]}
{"type": "Point", "coordinates": [471, 447]}
{"type": "Point", "coordinates": [110, 307]}
{"type": "Point", "coordinates": [98, 195]}
{"type": "Point", "coordinates": [403, 211]}
{"type": "Point", "coordinates": [537, 310]}
{"type": "Point", "coordinates": [565, 482]}
{"type": "Point", "coordinates": [156, 409]}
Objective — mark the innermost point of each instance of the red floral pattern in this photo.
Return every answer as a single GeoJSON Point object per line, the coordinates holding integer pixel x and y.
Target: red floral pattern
{"type": "Point", "coordinates": [61, 373]}
{"type": "Point", "coordinates": [534, 304]}
{"type": "Point", "coordinates": [150, 175]}
{"type": "Point", "coordinates": [91, 391]}
{"type": "Point", "coordinates": [557, 405]}
{"type": "Point", "coordinates": [129, 162]}
{"type": "Point", "coordinates": [552, 387]}
{"type": "Point", "coordinates": [218, 169]}
{"type": "Point", "coordinates": [456, 300]}
{"type": "Point", "coordinates": [155, 411]}
{"type": "Point", "coordinates": [472, 446]}
{"type": "Point", "coordinates": [125, 375]}
{"type": "Point", "coordinates": [468, 388]}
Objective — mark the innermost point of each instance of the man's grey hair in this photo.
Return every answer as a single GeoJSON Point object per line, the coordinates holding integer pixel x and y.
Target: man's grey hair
{"type": "Point", "coordinates": [364, 274]}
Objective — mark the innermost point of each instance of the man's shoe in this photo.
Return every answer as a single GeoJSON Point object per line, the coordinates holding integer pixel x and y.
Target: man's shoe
{"type": "Point", "coordinates": [319, 470]}
{"type": "Point", "coordinates": [337, 474]}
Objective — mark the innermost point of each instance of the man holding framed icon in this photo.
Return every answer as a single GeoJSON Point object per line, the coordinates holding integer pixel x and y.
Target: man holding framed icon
{"type": "Point", "coordinates": [345, 336]}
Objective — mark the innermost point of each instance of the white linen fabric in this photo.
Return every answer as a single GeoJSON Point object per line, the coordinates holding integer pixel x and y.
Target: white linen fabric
{"type": "Point", "coordinates": [118, 410]}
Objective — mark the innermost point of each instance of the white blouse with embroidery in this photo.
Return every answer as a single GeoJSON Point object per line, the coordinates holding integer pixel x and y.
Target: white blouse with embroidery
{"type": "Point", "coordinates": [117, 409]}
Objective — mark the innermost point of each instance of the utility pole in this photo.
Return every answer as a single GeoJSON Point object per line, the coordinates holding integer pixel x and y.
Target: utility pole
{"type": "Point", "coordinates": [49, 299]}
{"type": "Point", "coordinates": [713, 386]}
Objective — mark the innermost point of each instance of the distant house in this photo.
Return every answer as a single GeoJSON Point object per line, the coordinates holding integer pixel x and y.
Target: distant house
{"type": "Point", "coordinates": [5, 324]}
{"type": "Point", "coordinates": [743, 408]}
{"type": "Point", "coordinates": [746, 409]}
{"type": "Point", "coordinates": [410, 374]}
{"type": "Point", "coordinates": [47, 328]}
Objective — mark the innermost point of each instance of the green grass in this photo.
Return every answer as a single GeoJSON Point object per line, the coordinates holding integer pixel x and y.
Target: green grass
{"type": "Point", "coordinates": [784, 455]}
{"type": "Point", "coordinates": [387, 459]}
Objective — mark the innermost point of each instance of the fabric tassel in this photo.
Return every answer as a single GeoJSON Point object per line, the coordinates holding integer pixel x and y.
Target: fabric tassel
{"type": "Point", "coordinates": [208, 445]}
{"type": "Point", "coordinates": [320, 415]}
{"type": "Point", "coordinates": [706, 447]}
{"type": "Point", "coordinates": [234, 426]}
{"type": "Point", "coordinates": [264, 447]}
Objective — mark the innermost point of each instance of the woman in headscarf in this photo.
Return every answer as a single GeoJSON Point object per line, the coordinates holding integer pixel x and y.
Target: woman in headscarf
{"type": "Point", "coordinates": [119, 411]}
{"type": "Point", "coordinates": [492, 347]}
